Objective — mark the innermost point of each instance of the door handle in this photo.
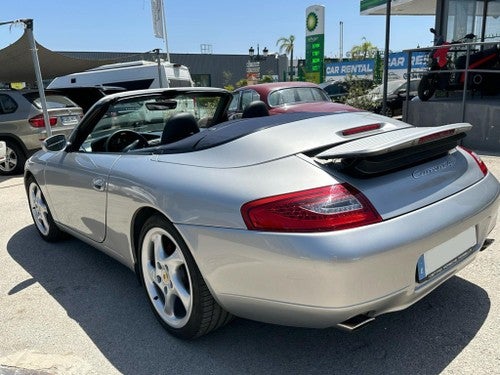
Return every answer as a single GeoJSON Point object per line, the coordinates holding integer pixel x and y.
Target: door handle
{"type": "Point", "coordinates": [98, 184]}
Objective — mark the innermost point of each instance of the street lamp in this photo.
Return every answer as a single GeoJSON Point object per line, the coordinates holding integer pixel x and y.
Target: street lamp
{"type": "Point", "coordinates": [258, 57]}
{"type": "Point", "coordinates": [253, 65]}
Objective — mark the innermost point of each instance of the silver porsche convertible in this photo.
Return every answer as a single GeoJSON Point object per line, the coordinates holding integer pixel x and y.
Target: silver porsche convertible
{"type": "Point", "coordinates": [301, 219]}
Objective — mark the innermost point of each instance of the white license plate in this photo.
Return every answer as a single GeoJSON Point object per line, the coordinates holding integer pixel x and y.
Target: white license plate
{"type": "Point", "coordinates": [446, 255]}
{"type": "Point", "coordinates": [70, 120]}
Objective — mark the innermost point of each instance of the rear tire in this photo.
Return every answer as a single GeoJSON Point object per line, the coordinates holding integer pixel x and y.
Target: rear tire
{"type": "Point", "coordinates": [177, 293]}
{"type": "Point", "coordinates": [14, 163]}
{"type": "Point", "coordinates": [426, 88]}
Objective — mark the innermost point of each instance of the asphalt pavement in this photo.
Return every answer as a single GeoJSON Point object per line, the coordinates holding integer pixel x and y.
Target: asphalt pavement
{"type": "Point", "coordinates": [68, 309]}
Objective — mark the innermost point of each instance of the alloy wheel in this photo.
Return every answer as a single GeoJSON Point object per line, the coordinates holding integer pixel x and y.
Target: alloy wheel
{"type": "Point", "coordinates": [39, 209]}
{"type": "Point", "coordinates": [10, 162]}
{"type": "Point", "coordinates": [166, 277]}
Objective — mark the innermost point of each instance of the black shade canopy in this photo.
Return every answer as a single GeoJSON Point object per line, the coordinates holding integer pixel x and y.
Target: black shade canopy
{"type": "Point", "coordinates": [16, 62]}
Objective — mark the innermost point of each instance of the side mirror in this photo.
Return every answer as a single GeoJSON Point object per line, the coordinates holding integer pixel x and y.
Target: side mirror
{"type": "Point", "coordinates": [402, 92]}
{"type": "Point", "coordinates": [55, 143]}
{"type": "Point", "coordinates": [3, 151]}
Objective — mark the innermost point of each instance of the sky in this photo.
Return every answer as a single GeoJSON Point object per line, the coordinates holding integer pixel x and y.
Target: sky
{"type": "Point", "coordinates": [230, 27]}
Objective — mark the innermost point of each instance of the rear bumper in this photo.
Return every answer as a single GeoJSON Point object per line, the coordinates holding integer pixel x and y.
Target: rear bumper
{"type": "Point", "coordinates": [321, 279]}
{"type": "Point", "coordinates": [33, 141]}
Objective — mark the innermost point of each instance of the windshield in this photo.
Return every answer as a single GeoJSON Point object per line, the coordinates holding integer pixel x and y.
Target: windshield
{"type": "Point", "coordinates": [148, 114]}
{"type": "Point", "coordinates": [293, 95]}
{"type": "Point", "coordinates": [53, 101]}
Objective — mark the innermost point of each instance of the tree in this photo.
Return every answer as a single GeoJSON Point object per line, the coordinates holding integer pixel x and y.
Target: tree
{"type": "Point", "coordinates": [226, 80]}
{"type": "Point", "coordinates": [358, 95]}
{"type": "Point", "coordinates": [286, 45]}
{"type": "Point", "coordinates": [266, 79]}
{"type": "Point", "coordinates": [242, 82]}
{"type": "Point", "coordinates": [363, 51]}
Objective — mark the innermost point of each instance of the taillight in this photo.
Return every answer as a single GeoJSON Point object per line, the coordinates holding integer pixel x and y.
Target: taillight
{"type": "Point", "coordinates": [436, 136]}
{"type": "Point", "coordinates": [322, 209]}
{"type": "Point", "coordinates": [478, 160]}
{"type": "Point", "coordinates": [38, 121]}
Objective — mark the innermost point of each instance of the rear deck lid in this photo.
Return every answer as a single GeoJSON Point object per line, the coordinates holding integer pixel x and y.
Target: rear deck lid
{"type": "Point", "coordinates": [406, 169]}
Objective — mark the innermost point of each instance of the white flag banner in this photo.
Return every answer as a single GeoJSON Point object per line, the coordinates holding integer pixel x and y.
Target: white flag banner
{"type": "Point", "coordinates": [157, 13]}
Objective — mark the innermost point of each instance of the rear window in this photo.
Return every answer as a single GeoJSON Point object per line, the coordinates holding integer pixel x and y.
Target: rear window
{"type": "Point", "coordinates": [296, 95]}
{"type": "Point", "coordinates": [173, 82]}
{"type": "Point", "coordinates": [7, 104]}
{"type": "Point", "coordinates": [53, 101]}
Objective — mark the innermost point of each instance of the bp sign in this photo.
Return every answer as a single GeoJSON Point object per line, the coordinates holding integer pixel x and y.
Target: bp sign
{"type": "Point", "coordinates": [315, 43]}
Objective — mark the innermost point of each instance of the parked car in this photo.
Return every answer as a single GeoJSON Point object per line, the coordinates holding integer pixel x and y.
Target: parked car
{"type": "Point", "coordinates": [86, 97]}
{"type": "Point", "coordinates": [22, 125]}
{"type": "Point", "coordinates": [284, 97]}
{"type": "Point", "coordinates": [303, 219]}
{"type": "Point", "coordinates": [338, 91]}
{"type": "Point", "coordinates": [396, 96]}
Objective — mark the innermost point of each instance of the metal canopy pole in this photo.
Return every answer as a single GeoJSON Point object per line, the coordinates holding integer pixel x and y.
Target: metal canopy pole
{"type": "Point", "coordinates": [28, 26]}
{"type": "Point", "coordinates": [386, 56]}
{"type": "Point", "coordinates": [36, 63]}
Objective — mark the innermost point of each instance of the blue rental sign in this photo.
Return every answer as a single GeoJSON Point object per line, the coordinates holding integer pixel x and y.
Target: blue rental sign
{"type": "Point", "coordinates": [398, 65]}
{"type": "Point", "coordinates": [361, 68]}
{"type": "Point", "coordinates": [399, 60]}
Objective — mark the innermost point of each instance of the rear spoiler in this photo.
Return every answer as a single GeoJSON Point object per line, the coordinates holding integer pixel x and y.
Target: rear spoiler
{"type": "Point", "coordinates": [395, 140]}
{"type": "Point", "coordinates": [386, 152]}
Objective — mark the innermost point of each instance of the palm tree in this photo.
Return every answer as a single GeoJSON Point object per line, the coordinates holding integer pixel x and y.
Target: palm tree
{"type": "Point", "coordinates": [286, 45]}
{"type": "Point", "coordinates": [364, 50]}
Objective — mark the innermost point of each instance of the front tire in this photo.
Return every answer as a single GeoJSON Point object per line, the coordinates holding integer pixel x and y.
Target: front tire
{"type": "Point", "coordinates": [426, 88]}
{"type": "Point", "coordinates": [40, 213]}
{"type": "Point", "coordinates": [177, 293]}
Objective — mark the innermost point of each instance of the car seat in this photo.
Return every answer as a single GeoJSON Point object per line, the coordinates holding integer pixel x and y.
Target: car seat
{"type": "Point", "coordinates": [179, 126]}
{"type": "Point", "coordinates": [256, 108]}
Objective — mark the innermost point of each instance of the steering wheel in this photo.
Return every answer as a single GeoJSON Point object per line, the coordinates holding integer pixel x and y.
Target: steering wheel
{"type": "Point", "coordinates": [125, 140]}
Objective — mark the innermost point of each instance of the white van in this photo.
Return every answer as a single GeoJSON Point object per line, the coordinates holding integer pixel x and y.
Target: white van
{"type": "Point", "coordinates": [135, 75]}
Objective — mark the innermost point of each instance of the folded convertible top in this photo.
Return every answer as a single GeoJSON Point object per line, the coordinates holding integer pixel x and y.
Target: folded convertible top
{"type": "Point", "coordinates": [387, 142]}
{"type": "Point", "coordinates": [390, 151]}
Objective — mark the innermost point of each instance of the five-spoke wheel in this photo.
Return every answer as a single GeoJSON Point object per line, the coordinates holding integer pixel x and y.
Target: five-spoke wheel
{"type": "Point", "coordinates": [167, 277]}
{"type": "Point", "coordinates": [176, 290]}
{"type": "Point", "coordinates": [40, 213]}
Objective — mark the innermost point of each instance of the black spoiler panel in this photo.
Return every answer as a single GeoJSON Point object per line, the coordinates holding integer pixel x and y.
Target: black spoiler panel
{"type": "Point", "coordinates": [394, 150]}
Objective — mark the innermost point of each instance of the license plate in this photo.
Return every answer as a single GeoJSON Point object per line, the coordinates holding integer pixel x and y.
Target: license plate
{"type": "Point", "coordinates": [446, 255]}
{"type": "Point", "coordinates": [70, 120]}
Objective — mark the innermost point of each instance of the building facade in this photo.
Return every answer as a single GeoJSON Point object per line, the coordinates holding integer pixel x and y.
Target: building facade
{"type": "Point", "coordinates": [209, 70]}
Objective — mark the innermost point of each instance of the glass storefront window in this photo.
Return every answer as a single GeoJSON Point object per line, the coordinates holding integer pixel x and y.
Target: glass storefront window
{"type": "Point", "coordinates": [466, 16]}
{"type": "Point", "coordinates": [462, 17]}
{"type": "Point", "coordinates": [492, 21]}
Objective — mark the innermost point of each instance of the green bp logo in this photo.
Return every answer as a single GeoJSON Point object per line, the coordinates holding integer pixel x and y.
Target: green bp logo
{"type": "Point", "coordinates": [311, 21]}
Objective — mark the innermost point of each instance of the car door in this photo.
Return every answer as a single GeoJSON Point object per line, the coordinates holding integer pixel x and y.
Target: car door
{"type": "Point", "coordinates": [77, 184]}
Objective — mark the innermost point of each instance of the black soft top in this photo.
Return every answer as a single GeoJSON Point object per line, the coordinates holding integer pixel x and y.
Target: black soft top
{"type": "Point", "coordinates": [227, 132]}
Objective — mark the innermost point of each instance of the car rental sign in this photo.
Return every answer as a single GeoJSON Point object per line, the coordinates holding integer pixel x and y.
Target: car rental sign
{"type": "Point", "coordinates": [398, 67]}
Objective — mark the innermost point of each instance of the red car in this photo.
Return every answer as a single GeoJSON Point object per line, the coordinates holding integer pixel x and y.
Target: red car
{"type": "Point", "coordinates": [285, 97]}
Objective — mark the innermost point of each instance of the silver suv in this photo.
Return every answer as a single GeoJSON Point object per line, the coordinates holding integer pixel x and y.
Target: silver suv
{"type": "Point", "coordinates": [22, 126]}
